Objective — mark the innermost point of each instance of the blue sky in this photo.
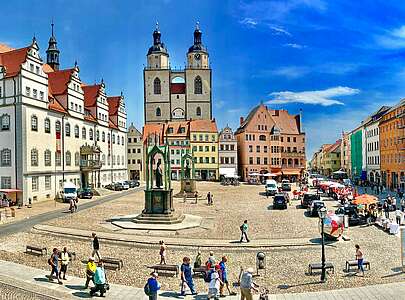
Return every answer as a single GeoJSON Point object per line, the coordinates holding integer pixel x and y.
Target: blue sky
{"type": "Point", "coordinates": [337, 60]}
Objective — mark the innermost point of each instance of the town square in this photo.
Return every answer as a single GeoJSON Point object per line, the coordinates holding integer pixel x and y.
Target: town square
{"type": "Point", "coordinates": [202, 150]}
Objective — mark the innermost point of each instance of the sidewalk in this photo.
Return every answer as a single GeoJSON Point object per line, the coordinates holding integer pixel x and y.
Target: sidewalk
{"type": "Point", "coordinates": [25, 278]}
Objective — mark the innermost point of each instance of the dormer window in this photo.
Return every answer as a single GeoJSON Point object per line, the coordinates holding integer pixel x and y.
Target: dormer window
{"type": "Point", "coordinates": [32, 67]}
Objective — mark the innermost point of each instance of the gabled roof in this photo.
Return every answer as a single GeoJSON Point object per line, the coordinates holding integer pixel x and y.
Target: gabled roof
{"type": "Point", "coordinates": [5, 48]}
{"type": "Point", "coordinates": [153, 129]}
{"type": "Point", "coordinates": [286, 122]}
{"type": "Point", "coordinates": [203, 126]}
{"type": "Point", "coordinates": [55, 105]}
{"type": "Point", "coordinates": [58, 81]}
{"type": "Point", "coordinates": [112, 125]}
{"type": "Point", "coordinates": [113, 105]}
{"type": "Point", "coordinates": [333, 147]}
{"type": "Point", "coordinates": [91, 93]}
{"type": "Point", "coordinates": [12, 60]}
{"type": "Point", "coordinates": [89, 117]}
{"type": "Point", "coordinates": [176, 128]}
{"type": "Point", "coordinates": [248, 118]}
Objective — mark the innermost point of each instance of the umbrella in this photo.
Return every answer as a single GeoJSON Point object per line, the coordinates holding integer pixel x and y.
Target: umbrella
{"type": "Point", "coordinates": [336, 185]}
{"type": "Point", "coordinates": [269, 175]}
{"type": "Point", "coordinates": [339, 172]}
{"type": "Point", "coordinates": [254, 174]}
{"type": "Point", "coordinates": [365, 199]}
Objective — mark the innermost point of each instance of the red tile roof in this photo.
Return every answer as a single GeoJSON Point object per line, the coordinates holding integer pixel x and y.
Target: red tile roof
{"type": "Point", "coordinates": [203, 126]}
{"type": "Point", "coordinates": [5, 48]}
{"type": "Point", "coordinates": [12, 60]}
{"type": "Point", "coordinates": [55, 105]}
{"type": "Point", "coordinates": [112, 125]}
{"type": "Point", "coordinates": [113, 105]}
{"type": "Point", "coordinates": [153, 129]}
{"type": "Point", "coordinates": [178, 88]}
{"type": "Point", "coordinates": [58, 81]}
{"type": "Point", "coordinates": [89, 117]}
{"type": "Point", "coordinates": [47, 68]}
{"type": "Point", "coordinates": [286, 122]}
{"type": "Point", "coordinates": [176, 128]}
{"type": "Point", "coordinates": [91, 93]}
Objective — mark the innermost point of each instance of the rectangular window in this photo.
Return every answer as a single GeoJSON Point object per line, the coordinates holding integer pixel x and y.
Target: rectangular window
{"type": "Point", "coordinates": [257, 149]}
{"type": "Point", "coordinates": [6, 182]}
{"type": "Point", "coordinates": [250, 148]}
{"type": "Point", "coordinates": [207, 148]}
{"type": "Point", "coordinates": [201, 160]}
{"type": "Point", "coordinates": [207, 160]}
{"type": "Point", "coordinates": [35, 183]}
{"type": "Point", "coordinates": [5, 122]}
{"type": "Point", "coordinates": [265, 149]}
{"type": "Point", "coordinates": [232, 160]}
{"type": "Point", "coordinates": [34, 93]}
{"type": "Point", "coordinates": [213, 160]}
{"type": "Point", "coordinates": [129, 150]}
{"type": "Point", "coordinates": [37, 69]}
{"type": "Point", "coordinates": [200, 137]}
{"type": "Point", "coordinates": [58, 159]}
{"type": "Point", "coordinates": [129, 140]}
{"type": "Point", "coordinates": [200, 148]}
{"type": "Point", "coordinates": [0, 92]}
{"type": "Point", "coordinates": [27, 91]}
{"type": "Point", "coordinates": [194, 148]}
{"type": "Point", "coordinates": [213, 138]}
{"type": "Point", "coordinates": [265, 161]}
{"type": "Point", "coordinates": [32, 67]}
{"type": "Point", "coordinates": [41, 95]}
{"type": "Point", "coordinates": [134, 151]}
{"type": "Point", "coordinates": [47, 182]}
{"type": "Point", "coordinates": [258, 160]}
{"type": "Point", "coordinates": [251, 160]}
{"type": "Point", "coordinates": [213, 148]}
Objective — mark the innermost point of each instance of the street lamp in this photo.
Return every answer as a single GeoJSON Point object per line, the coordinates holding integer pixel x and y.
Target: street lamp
{"type": "Point", "coordinates": [322, 216]}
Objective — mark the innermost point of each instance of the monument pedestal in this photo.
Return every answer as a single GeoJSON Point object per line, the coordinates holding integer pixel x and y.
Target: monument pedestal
{"type": "Point", "coordinates": [159, 208]}
{"type": "Point", "coordinates": [188, 186]}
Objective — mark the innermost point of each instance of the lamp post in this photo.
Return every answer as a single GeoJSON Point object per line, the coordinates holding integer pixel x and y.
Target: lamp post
{"type": "Point", "coordinates": [322, 215]}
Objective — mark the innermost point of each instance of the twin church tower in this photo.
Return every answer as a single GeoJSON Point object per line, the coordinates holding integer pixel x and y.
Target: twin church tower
{"type": "Point", "coordinates": [177, 95]}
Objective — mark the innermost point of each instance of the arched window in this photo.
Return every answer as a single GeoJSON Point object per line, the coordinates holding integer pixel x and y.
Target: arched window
{"type": "Point", "coordinates": [158, 112]}
{"type": "Point", "coordinates": [6, 158]}
{"type": "Point", "coordinates": [198, 111]}
{"type": "Point", "coordinates": [197, 85]}
{"type": "Point", "coordinates": [57, 126]}
{"type": "Point", "coordinates": [77, 131]}
{"type": "Point", "coordinates": [77, 159]}
{"type": "Point", "coordinates": [34, 158]}
{"type": "Point", "coordinates": [68, 158]}
{"type": "Point", "coordinates": [84, 133]}
{"type": "Point", "coordinates": [157, 90]}
{"type": "Point", "coordinates": [91, 134]}
{"type": "Point", "coordinates": [34, 123]}
{"type": "Point", "coordinates": [47, 158]}
{"type": "Point", "coordinates": [67, 129]}
{"type": "Point", "coordinates": [5, 122]}
{"type": "Point", "coordinates": [47, 125]}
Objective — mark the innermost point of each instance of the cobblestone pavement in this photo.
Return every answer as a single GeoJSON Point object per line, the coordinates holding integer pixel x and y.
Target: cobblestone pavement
{"type": "Point", "coordinates": [8, 292]}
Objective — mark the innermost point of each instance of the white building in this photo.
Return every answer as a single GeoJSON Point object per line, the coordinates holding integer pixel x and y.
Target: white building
{"type": "Point", "coordinates": [228, 153]}
{"type": "Point", "coordinates": [54, 128]}
{"type": "Point", "coordinates": [371, 146]}
{"type": "Point", "coordinates": [135, 153]}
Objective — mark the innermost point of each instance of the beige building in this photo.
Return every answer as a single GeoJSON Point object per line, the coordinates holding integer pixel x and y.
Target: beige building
{"type": "Point", "coordinates": [177, 95]}
{"type": "Point", "coordinates": [135, 153]}
{"type": "Point", "coordinates": [345, 158]}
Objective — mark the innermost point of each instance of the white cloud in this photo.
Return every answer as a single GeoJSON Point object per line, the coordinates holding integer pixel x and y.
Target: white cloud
{"type": "Point", "coordinates": [294, 45]}
{"type": "Point", "coordinates": [321, 97]}
{"type": "Point", "coordinates": [219, 103]}
{"type": "Point", "coordinates": [392, 39]}
{"type": "Point", "coordinates": [249, 22]}
{"type": "Point", "coordinates": [278, 30]}
{"type": "Point", "coordinates": [291, 72]}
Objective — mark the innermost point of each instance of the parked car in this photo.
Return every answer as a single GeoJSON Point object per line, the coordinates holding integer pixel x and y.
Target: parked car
{"type": "Point", "coordinates": [109, 186]}
{"type": "Point", "coordinates": [280, 201]}
{"type": "Point", "coordinates": [125, 185]}
{"type": "Point", "coordinates": [134, 183]}
{"type": "Point", "coordinates": [117, 186]}
{"type": "Point", "coordinates": [314, 208]}
{"type": "Point", "coordinates": [85, 193]}
{"type": "Point", "coordinates": [286, 186]}
{"type": "Point", "coordinates": [351, 212]}
{"type": "Point", "coordinates": [308, 198]}
{"type": "Point", "coordinates": [271, 187]}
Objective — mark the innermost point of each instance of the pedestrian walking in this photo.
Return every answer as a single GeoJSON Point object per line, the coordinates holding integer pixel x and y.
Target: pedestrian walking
{"type": "Point", "coordinates": [244, 229]}
{"type": "Point", "coordinates": [100, 280]}
{"type": "Point", "coordinates": [386, 209]}
{"type": "Point", "coordinates": [196, 196]}
{"type": "Point", "coordinates": [247, 285]}
{"type": "Point", "coordinates": [209, 198]}
{"type": "Point", "coordinates": [91, 268]}
{"type": "Point", "coordinates": [398, 216]}
{"type": "Point", "coordinates": [214, 284]}
{"type": "Point", "coordinates": [53, 261]}
{"type": "Point", "coordinates": [162, 252]}
{"type": "Point", "coordinates": [184, 196]}
{"type": "Point", "coordinates": [223, 275]}
{"type": "Point", "coordinates": [96, 246]}
{"type": "Point", "coordinates": [152, 286]}
{"type": "Point", "coordinates": [186, 277]}
{"type": "Point", "coordinates": [359, 257]}
{"type": "Point", "coordinates": [65, 258]}
{"type": "Point", "coordinates": [211, 261]}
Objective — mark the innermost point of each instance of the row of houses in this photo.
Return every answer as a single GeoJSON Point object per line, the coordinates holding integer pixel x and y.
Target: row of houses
{"type": "Point", "coordinates": [374, 151]}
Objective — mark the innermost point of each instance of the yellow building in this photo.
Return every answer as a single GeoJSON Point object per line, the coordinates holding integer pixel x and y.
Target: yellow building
{"type": "Point", "coordinates": [204, 145]}
{"type": "Point", "coordinates": [331, 158]}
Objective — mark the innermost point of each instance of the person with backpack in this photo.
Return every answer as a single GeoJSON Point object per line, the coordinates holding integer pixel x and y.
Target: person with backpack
{"type": "Point", "coordinates": [53, 261]}
{"type": "Point", "coordinates": [187, 277]}
{"type": "Point", "coordinates": [244, 229]}
{"type": "Point", "coordinates": [152, 287]}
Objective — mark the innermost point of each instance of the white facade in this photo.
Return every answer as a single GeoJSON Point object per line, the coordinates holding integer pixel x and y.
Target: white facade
{"type": "Point", "coordinates": [41, 144]}
{"type": "Point", "coordinates": [372, 151]}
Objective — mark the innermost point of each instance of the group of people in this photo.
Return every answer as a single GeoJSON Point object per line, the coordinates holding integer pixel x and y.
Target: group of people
{"type": "Point", "coordinates": [95, 272]}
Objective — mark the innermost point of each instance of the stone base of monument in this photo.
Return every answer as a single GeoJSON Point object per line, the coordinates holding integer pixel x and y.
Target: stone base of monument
{"type": "Point", "coordinates": [188, 186]}
{"type": "Point", "coordinates": [172, 218]}
{"type": "Point", "coordinates": [155, 223]}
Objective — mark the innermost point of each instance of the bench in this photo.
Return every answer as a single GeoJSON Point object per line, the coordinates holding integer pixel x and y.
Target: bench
{"type": "Point", "coordinates": [318, 266]}
{"type": "Point", "coordinates": [36, 250]}
{"type": "Point", "coordinates": [166, 268]}
{"type": "Point", "coordinates": [201, 271]}
{"type": "Point", "coordinates": [353, 263]}
{"type": "Point", "coordinates": [112, 263]}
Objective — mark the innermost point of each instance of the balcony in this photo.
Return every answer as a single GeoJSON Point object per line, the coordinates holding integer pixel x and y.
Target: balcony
{"type": "Point", "coordinates": [90, 165]}
{"type": "Point", "coordinates": [293, 154]}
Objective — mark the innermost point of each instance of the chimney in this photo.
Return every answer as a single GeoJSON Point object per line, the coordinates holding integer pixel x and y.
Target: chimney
{"type": "Point", "coordinates": [241, 120]}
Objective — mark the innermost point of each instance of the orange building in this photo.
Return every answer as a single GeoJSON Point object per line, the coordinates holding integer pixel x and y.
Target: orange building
{"type": "Point", "coordinates": [271, 141]}
{"type": "Point", "coordinates": [392, 146]}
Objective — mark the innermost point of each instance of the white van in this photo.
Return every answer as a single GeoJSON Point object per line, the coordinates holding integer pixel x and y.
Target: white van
{"type": "Point", "coordinates": [271, 187]}
{"type": "Point", "coordinates": [69, 191]}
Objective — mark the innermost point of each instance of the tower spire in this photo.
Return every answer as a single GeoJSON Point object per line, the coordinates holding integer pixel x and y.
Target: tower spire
{"type": "Point", "coordinates": [52, 53]}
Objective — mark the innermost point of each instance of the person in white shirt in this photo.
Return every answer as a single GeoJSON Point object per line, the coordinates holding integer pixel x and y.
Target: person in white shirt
{"type": "Point", "coordinates": [213, 286]}
{"type": "Point", "coordinates": [64, 256]}
{"type": "Point", "coordinates": [398, 216]}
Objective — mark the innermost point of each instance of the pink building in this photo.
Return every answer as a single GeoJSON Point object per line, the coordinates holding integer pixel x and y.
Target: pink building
{"type": "Point", "coordinates": [271, 141]}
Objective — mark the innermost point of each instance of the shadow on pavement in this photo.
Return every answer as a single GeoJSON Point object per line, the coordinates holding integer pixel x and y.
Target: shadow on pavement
{"type": "Point", "coordinates": [75, 287]}
{"type": "Point", "coordinates": [287, 286]}
{"type": "Point", "coordinates": [44, 279]}
{"type": "Point", "coordinates": [82, 294]}
{"type": "Point", "coordinates": [171, 295]}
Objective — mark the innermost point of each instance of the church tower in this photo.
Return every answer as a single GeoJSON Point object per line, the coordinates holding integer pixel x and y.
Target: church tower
{"type": "Point", "coordinates": [198, 80]}
{"type": "Point", "coordinates": [157, 81]}
{"type": "Point", "coordinates": [52, 53]}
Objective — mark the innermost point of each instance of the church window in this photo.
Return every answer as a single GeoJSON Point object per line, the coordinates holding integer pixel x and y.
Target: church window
{"type": "Point", "coordinates": [158, 112]}
{"type": "Point", "coordinates": [197, 85]}
{"type": "Point", "coordinates": [156, 86]}
{"type": "Point", "coordinates": [198, 111]}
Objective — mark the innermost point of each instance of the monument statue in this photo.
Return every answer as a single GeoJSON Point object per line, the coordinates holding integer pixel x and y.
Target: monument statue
{"type": "Point", "coordinates": [158, 176]}
{"type": "Point", "coordinates": [188, 182]}
{"type": "Point", "coordinates": [187, 171]}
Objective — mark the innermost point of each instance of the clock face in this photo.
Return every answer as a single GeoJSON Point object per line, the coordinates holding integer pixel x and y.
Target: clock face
{"type": "Point", "coordinates": [197, 56]}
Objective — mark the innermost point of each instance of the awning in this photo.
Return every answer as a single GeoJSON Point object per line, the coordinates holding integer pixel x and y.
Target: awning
{"type": "Point", "coordinates": [10, 191]}
{"type": "Point", "coordinates": [228, 172]}
{"type": "Point", "coordinates": [292, 172]}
